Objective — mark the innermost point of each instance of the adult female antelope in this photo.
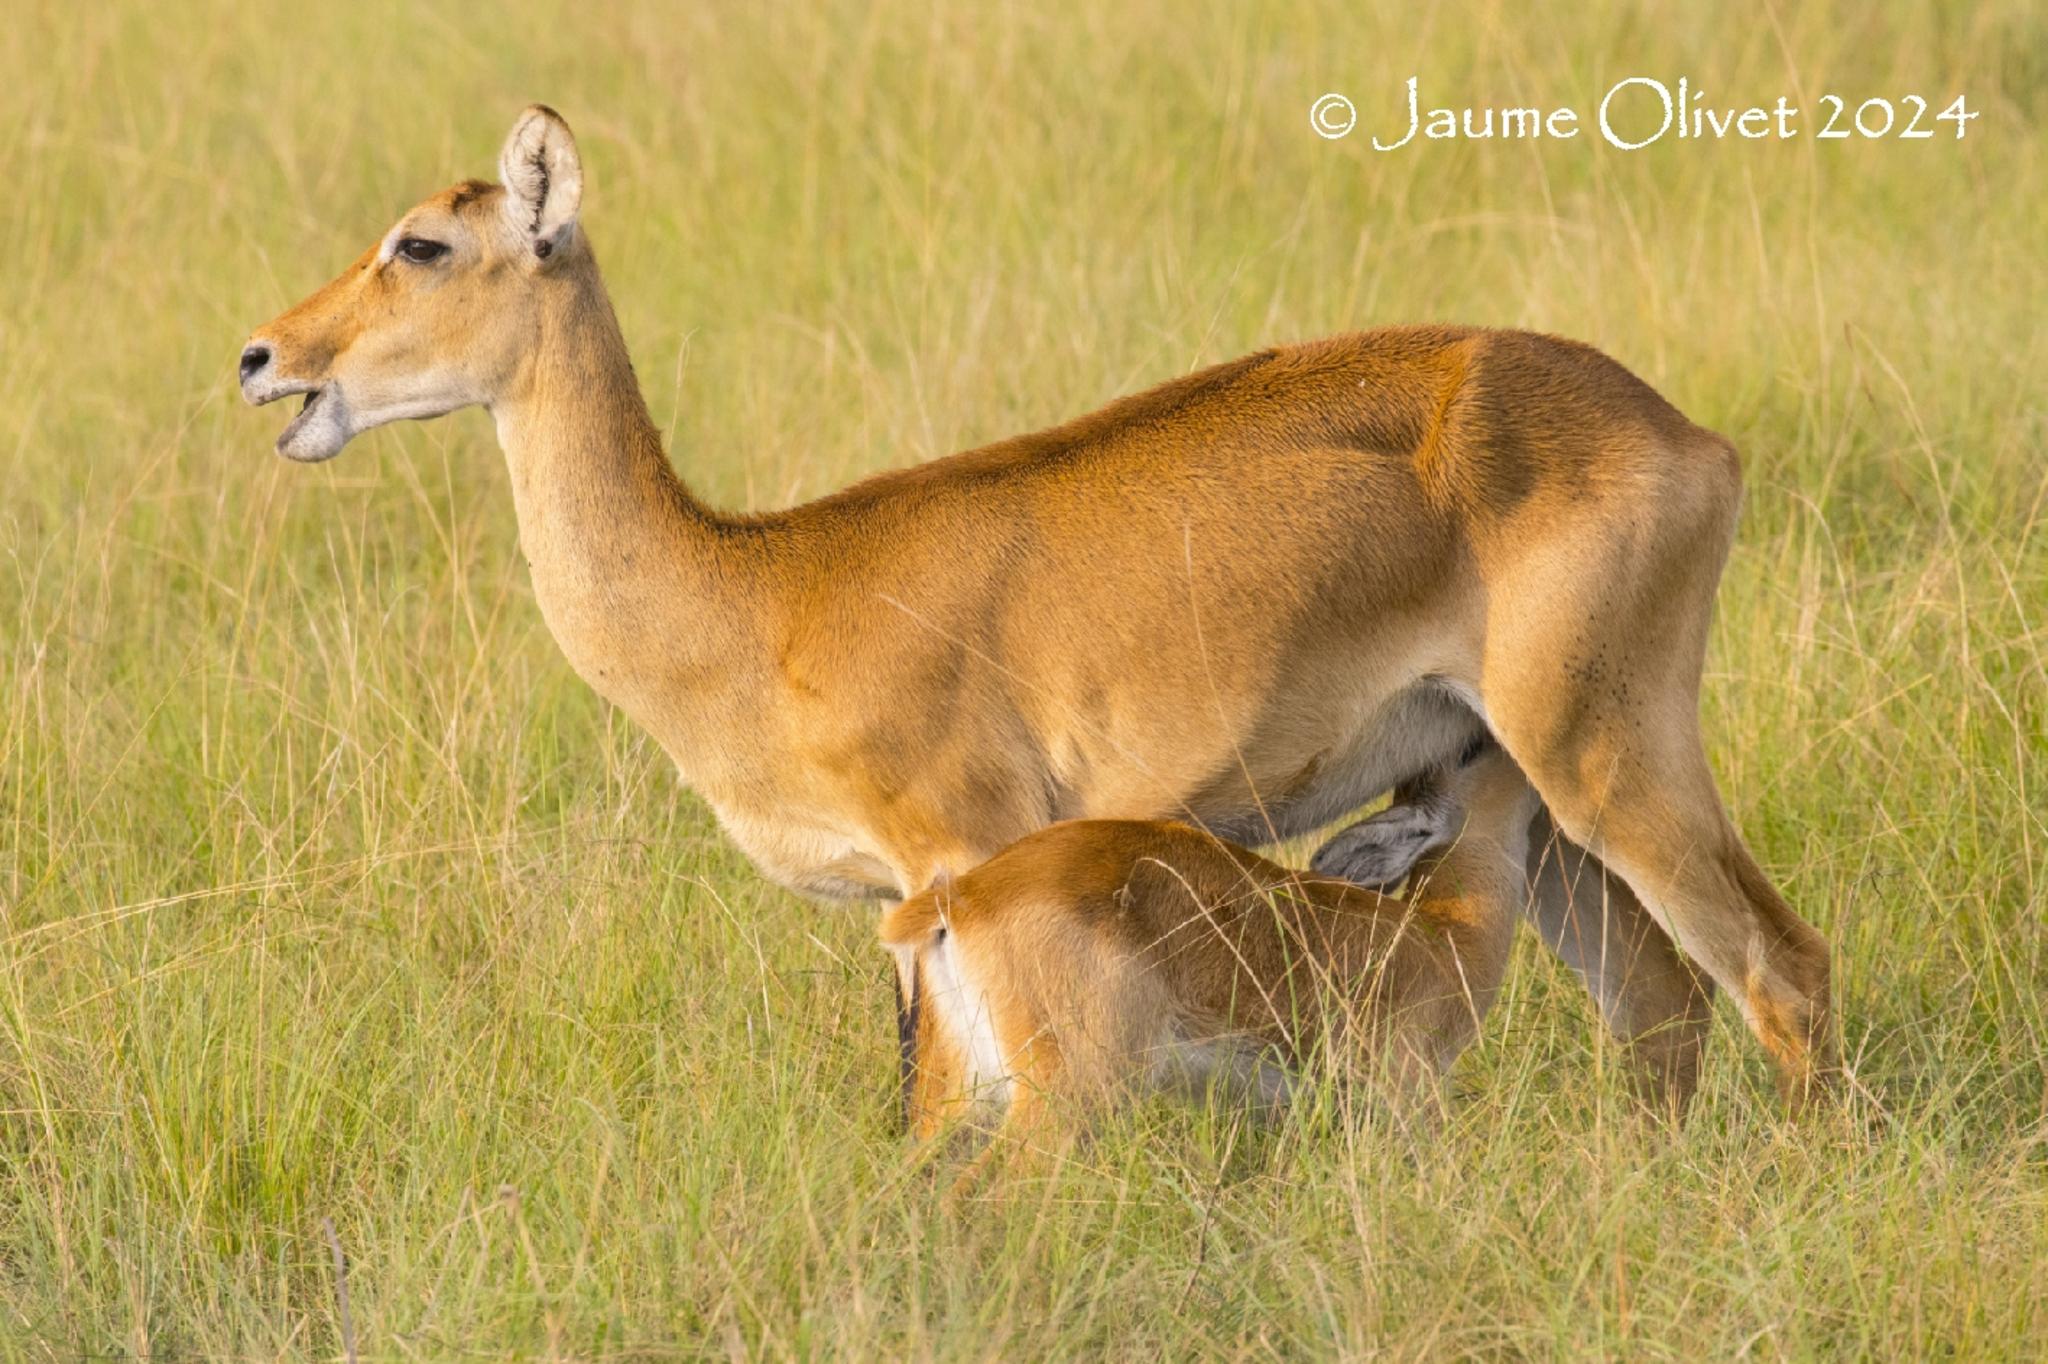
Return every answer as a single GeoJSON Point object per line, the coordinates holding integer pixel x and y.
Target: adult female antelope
{"type": "Point", "coordinates": [1253, 597]}
{"type": "Point", "coordinates": [1100, 957]}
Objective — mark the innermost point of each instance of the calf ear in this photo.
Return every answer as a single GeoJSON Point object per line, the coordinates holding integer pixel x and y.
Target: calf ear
{"type": "Point", "coordinates": [543, 178]}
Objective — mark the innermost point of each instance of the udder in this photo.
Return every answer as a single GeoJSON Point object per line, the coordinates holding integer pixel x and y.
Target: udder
{"type": "Point", "coordinates": [1425, 726]}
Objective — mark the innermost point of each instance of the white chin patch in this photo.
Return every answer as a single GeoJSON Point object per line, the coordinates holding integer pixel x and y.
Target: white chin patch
{"type": "Point", "coordinates": [320, 429]}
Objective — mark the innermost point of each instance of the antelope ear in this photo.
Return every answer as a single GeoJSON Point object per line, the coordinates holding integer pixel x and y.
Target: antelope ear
{"type": "Point", "coordinates": [543, 178]}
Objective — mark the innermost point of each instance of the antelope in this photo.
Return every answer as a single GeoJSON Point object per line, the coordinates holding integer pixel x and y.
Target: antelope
{"type": "Point", "coordinates": [1095, 958]}
{"type": "Point", "coordinates": [1255, 598]}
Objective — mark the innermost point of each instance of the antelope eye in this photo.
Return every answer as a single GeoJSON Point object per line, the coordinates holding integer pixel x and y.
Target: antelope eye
{"type": "Point", "coordinates": [420, 251]}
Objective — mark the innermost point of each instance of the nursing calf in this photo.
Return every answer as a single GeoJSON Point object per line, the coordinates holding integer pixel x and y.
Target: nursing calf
{"type": "Point", "coordinates": [1096, 959]}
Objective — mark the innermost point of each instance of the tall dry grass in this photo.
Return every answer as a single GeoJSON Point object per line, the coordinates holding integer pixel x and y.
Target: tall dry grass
{"type": "Point", "coordinates": [327, 893]}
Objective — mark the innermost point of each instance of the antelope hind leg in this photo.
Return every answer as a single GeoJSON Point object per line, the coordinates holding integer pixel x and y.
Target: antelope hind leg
{"type": "Point", "coordinates": [1653, 1000]}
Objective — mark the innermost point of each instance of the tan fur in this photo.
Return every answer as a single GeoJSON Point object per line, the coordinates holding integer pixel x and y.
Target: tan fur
{"type": "Point", "coordinates": [1102, 957]}
{"type": "Point", "coordinates": [1253, 597]}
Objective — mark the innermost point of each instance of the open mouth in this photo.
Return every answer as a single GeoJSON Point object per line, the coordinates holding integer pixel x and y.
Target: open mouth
{"type": "Point", "coordinates": [313, 398]}
{"type": "Point", "coordinates": [319, 428]}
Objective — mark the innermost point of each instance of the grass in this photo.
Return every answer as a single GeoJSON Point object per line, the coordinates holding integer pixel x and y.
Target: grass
{"type": "Point", "coordinates": [328, 894]}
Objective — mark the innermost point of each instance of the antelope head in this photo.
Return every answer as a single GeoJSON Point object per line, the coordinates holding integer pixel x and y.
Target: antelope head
{"type": "Point", "coordinates": [438, 315]}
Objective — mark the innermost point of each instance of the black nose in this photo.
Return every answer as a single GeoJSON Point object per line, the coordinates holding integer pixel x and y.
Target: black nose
{"type": "Point", "coordinates": [253, 359]}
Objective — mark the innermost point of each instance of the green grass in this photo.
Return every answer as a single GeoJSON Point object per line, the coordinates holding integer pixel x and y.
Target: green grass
{"type": "Point", "coordinates": [328, 892]}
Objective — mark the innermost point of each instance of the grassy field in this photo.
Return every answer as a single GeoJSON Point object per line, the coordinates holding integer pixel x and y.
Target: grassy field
{"type": "Point", "coordinates": [328, 895]}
